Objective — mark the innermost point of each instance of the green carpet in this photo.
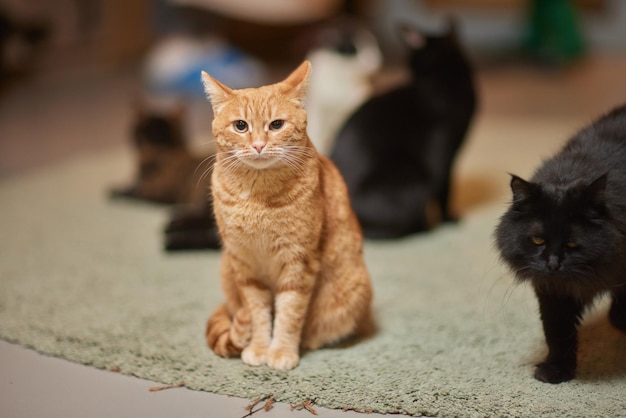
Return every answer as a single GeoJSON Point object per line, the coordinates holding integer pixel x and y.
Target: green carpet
{"type": "Point", "coordinates": [84, 278]}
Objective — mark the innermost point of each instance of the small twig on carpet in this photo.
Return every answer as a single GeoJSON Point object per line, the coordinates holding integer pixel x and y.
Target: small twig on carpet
{"type": "Point", "coordinates": [308, 405]}
{"type": "Point", "coordinates": [269, 404]}
{"type": "Point", "coordinates": [252, 404]}
{"type": "Point", "coordinates": [158, 388]}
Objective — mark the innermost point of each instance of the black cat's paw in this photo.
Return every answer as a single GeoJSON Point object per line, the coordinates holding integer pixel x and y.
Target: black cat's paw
{"type": "Point", "coordinates": [190, 218]}
{"type": "Point", "coordinates": [191, 228]}
{"type": "Point", "coordinates": [554, 373]}
{"type": "Point", "coordinates": [451, 219]}
{"type": "Point", "coordinates": [202, 239]}
{"type": "Point", "coordinates": [617, 316]}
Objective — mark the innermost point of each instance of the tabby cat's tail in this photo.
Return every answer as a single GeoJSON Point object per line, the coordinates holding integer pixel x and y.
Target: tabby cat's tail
{"type": "Point", "coordinates": [225, 336]}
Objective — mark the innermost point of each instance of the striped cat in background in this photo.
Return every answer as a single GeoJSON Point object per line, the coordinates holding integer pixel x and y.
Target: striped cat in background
{"type": "Point", "coordinates": [166, 169]}
{"type": "Point", "coordinates": [168, 172]}
{"type": "Point", "coordinates": [292, 263]}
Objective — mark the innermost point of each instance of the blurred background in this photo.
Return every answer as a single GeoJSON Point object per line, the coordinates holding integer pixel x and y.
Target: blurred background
{"type": "Point", "coordinates": [70, 70]}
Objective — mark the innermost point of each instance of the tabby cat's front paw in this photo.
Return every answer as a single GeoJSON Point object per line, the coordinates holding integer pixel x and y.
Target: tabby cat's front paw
{"type": "Point", "coordinates": [282, 359]}
{"type": "Point", "coordinates": [254, 355]}
{"type": "Point", "coordinates": [554, 373]}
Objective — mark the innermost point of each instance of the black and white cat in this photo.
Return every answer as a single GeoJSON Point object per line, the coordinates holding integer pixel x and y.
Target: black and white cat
{"type": "Point", "coordinates": [345, 57]}
{"type": "Point", "coordinates": [565, 233]}
{"type": "Point", "coordinates": [397, 150]}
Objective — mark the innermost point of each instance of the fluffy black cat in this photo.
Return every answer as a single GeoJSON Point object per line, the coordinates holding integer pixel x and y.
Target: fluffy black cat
{"type": "Point", "coordinates": [565, 233]}
{"type": "Point", "coordinates": [397, 150]}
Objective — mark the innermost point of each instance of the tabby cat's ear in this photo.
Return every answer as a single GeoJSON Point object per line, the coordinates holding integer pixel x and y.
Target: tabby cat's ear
{"type": "Point", "coordinates": [297, 82]}
{"type": "Point", "coordinates": [521, 189]}
{"type": "Point", "coordinates": [216, 92]}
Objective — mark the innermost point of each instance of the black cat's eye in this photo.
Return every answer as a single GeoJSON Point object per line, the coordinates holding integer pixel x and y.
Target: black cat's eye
{"type": "Point", "coordinates": [277, 124]}
{"type": "Point", "coordinates": [537, 240]}
{"type": "Point", "coordinates": [571, 244]}
{"type": "Point", "coordinates": [240, 126]}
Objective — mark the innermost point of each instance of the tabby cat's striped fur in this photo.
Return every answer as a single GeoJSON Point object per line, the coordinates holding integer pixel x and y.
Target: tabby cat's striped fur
{"type": "Point", "coordinates": [292, 265]}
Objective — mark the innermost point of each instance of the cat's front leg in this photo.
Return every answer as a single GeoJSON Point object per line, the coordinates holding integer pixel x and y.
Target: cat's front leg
{"type": "Point", "coordinates": [617, 312]}
{"type": "Point", "coordinates": [258, 299]}
{"type": "Point", "coordinates": [291, 308]}
{"type": "Point", "coordinates": [560, 316]}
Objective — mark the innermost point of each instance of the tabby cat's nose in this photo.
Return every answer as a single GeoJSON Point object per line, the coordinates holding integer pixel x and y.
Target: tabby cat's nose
{"type": "Point", "coordinates": [258, 146]}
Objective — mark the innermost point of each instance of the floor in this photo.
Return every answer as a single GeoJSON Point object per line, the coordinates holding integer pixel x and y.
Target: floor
{"type": "Point", "coordinates": [527, 112]}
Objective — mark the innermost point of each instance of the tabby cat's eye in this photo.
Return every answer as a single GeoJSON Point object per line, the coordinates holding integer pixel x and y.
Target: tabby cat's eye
{"type": "Point", "coordinates": [277, 124]}
{"type": "Point", "coordinates": [240, 126]}
{"type": "Point", "coordinates": [571, 244]}
{"type": "Point", "coordinates": [537, 240]}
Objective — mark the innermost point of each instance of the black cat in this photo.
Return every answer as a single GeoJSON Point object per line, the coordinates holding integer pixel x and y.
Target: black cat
{"type": "Point", "coordinates": [397, 150]}
{"type": "Point", "coordinates": [565, 233]}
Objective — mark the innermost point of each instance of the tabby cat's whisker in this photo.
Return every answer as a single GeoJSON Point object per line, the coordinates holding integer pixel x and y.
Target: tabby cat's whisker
{"type": "Point", "coordinates": [202, 178]}
{"type": "Point", "coordinates": [210, 159]}
{"type": "Point", "coordinates": [210, 168]}
{"type": "Point", "coordinates": [231, 163]}
{"type": "Point", "coordinates": [299, 155]}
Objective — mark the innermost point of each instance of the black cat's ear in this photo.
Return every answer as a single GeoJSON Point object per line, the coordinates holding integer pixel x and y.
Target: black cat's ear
{"type": "Point", "coordinates": [413, 38]}
{"type": "Point", "coordinates": [595, 191]}
{"type": "Point", "coordinates": [521, 188]}
{"type": "Point", "coordinates": [452, 32]}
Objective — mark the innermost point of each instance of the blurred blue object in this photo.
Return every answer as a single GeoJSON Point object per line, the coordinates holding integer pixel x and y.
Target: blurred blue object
{"type": "Point", "coordinates": [173, 67]}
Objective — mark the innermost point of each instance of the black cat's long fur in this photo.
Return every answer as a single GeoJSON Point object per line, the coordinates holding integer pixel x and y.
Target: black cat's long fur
{"type": "Point", "coordinates": [397, 150]}
{"type": "Point", "coordinates": [565, 233]}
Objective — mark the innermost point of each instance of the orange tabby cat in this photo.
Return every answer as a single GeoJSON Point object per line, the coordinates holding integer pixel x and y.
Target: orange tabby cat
{"type": "Point", "coordinates": [292, 262]}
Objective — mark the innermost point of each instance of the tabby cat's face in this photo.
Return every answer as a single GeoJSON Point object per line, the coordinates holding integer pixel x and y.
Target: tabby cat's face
{"type": "Point", "coordinates": [556, 234]}
{"type": "Point", "coordinates": [261, 127]}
